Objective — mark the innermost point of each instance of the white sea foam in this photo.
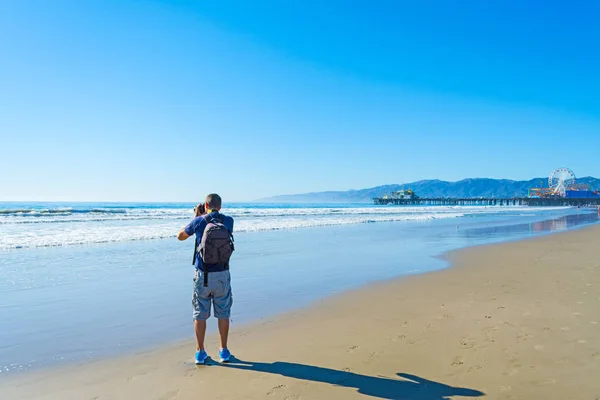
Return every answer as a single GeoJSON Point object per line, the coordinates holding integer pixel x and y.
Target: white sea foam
{"type": "Point", "coordinates": [64, 227]}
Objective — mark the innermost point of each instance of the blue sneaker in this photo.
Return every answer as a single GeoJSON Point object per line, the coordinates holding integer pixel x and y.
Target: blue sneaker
{"type": "Point", "coordinates": [201, 356]}
{"type": "Point", "coordinates": [224, 355]}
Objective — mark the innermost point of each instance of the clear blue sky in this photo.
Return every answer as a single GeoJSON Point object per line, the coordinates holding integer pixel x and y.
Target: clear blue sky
{"type": "Point", "coordinates": [169, 100]}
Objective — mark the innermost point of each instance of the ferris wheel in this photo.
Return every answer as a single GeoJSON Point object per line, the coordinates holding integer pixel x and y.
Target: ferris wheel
{"type": "Point", "coordinates": [560, 180]}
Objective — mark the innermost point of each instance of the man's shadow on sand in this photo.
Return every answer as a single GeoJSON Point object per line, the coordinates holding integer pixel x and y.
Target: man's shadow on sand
{"type": "Point", "coordinates": [410, 387]}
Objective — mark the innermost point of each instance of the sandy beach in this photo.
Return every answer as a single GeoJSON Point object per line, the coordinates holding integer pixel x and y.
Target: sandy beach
{"type": "Point", "coordinates": [517, 320]}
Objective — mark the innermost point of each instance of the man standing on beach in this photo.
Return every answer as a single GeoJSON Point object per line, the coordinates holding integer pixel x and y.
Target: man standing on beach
{"type": "Point", "coordinates": [212, 282]}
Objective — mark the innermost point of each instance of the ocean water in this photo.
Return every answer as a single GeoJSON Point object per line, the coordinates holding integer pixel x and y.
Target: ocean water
{"type": "Point", "coordinates": [27, 225]}
{"type": "Point", "coordinates": [85, 281]}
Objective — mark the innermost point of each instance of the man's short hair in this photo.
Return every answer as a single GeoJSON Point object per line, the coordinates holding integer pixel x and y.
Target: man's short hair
{"type": "Point", "coordinates": [213, 200]}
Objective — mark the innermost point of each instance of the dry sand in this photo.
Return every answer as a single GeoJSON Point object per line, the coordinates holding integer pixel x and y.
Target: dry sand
{"type": "Point", "coordinates": [510, 321]}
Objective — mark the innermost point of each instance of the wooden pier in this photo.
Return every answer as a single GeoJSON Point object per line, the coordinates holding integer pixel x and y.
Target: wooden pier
{"type": "Point", "coordinates": [479, 201]}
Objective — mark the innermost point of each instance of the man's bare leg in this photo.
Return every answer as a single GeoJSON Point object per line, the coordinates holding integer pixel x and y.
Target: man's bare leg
{"type": "Point", "coordinates": [200, 328]}
{"type": "Point", "coordinates": [223, 331]}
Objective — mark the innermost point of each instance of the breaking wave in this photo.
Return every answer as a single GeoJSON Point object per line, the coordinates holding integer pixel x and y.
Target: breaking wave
{"type": "Point", "coordinates": [22, 227]}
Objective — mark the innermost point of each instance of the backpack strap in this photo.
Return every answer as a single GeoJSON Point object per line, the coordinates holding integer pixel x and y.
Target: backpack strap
{"type": "Point", "coordinates": [195, 252]}
{"type": "Point", "coordinates": [209, 218]}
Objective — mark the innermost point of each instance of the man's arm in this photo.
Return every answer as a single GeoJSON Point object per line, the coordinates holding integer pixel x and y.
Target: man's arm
{"type": "Point", "coordinates": [182, 235]}
{"type": "Point", "coordinates": [190, 229]}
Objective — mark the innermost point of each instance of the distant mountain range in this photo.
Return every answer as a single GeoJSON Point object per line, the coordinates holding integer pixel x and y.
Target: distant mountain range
{"type": "Point", "coordinates": [475, 187]}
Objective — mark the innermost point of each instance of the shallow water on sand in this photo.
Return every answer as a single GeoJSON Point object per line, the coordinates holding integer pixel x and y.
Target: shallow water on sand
{"type": "Point", "coordinates": [75, 303]}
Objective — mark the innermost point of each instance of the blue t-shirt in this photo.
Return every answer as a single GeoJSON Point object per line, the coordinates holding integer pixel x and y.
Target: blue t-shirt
{"type": "Point", "coordinates": [197, 225]}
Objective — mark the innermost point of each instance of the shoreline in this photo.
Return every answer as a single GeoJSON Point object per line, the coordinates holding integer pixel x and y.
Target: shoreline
{"type": "Point", "coordinates": [431, 325]}
{"type": "Point", "coordinates": [144, 304]}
